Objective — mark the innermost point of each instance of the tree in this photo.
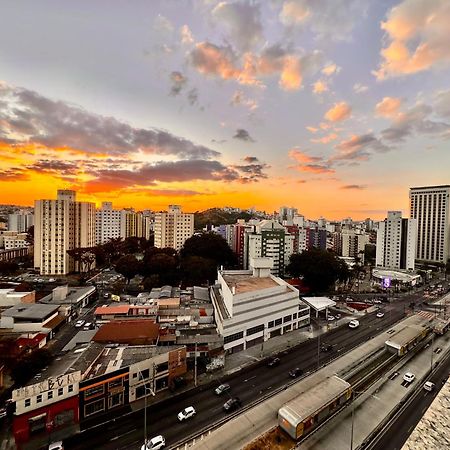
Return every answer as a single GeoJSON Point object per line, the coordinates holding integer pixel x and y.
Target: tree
{"type": "Point", "coordinates": [30, 235]}
{"type": "Point", "coordinates": [319, 269]}
{"type": "Point", "coordinates": [164, 266]}
{"type": "Point", "coordinates": [128, 266]}
{"type": "Point", "coordinates": [29, 365]}
{"type": "Point", "coordinates": [447, 268]}
{"type": "Point", "coordinates": [196, 270]}
{"type": "Point", "coordinates": [8, 267]}
{"type": "Point", "coordinates": [370, 254]}
{"type": "Point", "coordinates": [211, 246]}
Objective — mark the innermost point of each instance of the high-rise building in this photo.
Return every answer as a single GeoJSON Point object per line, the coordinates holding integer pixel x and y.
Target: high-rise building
{"type": "Point", "coordinates": [61, 225]}
{"type": "Point", "coordinates": [20, 221]}
{"type": "Point", "coordinates": [396, 242]}
{"type": "Point", "coordinates": [429, 205]}
{"type": "Point", "coordinates": [287, 214]}
{"type": "Point", "coordinates": [173, 228]}
{"type": "Point", "coordinates": [349, 243]}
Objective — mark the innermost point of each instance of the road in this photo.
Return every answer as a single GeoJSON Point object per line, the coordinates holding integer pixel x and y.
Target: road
{"type": "Point", "coordinates": [399, 430]}
{"type": "Point", "coordinates": [249, 384]}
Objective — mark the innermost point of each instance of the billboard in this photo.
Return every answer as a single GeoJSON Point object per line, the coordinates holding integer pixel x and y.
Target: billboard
{"type": "Point", "coordinates": [386, 282]}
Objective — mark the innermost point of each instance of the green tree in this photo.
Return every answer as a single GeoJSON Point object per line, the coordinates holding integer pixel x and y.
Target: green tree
{"type": "Point", "coordinates": [164, 266]}
{"type": "Point", "coordinates": [370, 251]}
{"type": "Point", "coordinates": [319, 269]}
{"type": "Point", "coordinates": [29, 365]}
{"type": "Point", "coordinates": [196, 270]}
{"type": "Point", "coordinates": [8, 267]}
{"type": "Point", "coordinates": [128, 266]}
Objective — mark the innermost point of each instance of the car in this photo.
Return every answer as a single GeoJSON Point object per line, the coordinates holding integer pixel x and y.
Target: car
{"type": "Point", "coordinates": [154, 443]}
{"type": "Point", "coordinates": [106, 295]}
{"type": "Point", "coordinates": [330, 318]}
{"type": "Point", "coordinates": [428, 386]}
{"type": "Point", "coordinates": [438, 350]}
{"type": "Point", "coordinates": [380, 314]}
{"type": "Point", "coordinates": [377, 302]}
{"type": "Point", "coordinates": [87, 326]}
{"type": "Point", "coordinates": [232, 404]}
{"type": "Point", "coordinates": [409, 377]}
{"type": "Point", "coordinates": [222, 388]}
{"type": "Point", "coordinates": [353, 323]}
{"type": "Point", "coordinates": [51, 280]}
{"type": "Point", "coordinates": [273, 362]}
{"type": "Point", "coordinates": [337, 316]}
{"type": "Point", "coordinates": [326, 348]}
{"type": "Point", "coordinates": [57, 445]}
{"type": "Point", "coordinates": [79, 323]}
{"type": "Point", "coordinates": [187, 413]}
{"type": "Point", "coordinates": [294, 373]}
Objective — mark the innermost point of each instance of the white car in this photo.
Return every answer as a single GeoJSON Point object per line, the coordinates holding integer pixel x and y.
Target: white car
{"type": "Point", "coordinates": [353, 323]}
{"type": "Point", "coordinates": [428, 386]}
{"type": "Point", "coordinates": [380, 314]}
{"type": "Point", "coordinates": [186, 413]}
{"type": "Point", "coordinates": [79, 323]}
{"type": "Point", "coordinates": [409, 377]}
{"type": "Point", "coordinates": [377, 302]}
{"type": "Point", "coordinates": [155, 443]}
{"type": "Point", "coordinates": [330, 318]}
{"type": "Point", "coordinates": [87, 326]}
{"type": "Point", "coordinates": [58, 445]}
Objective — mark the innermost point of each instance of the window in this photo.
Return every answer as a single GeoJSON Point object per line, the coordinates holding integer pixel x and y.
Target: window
{"type": "Point", "coordinates": [162, 367]}
{"type": "Point", "coordinates": [50, 395]}
{"type": "Point", "coordinates": [294, 316]}
{"type": "Point", "coordinates": [70, 388]}
{"type": "Point", "coordinates": [93, 391]}
{"type": "Point", "coordinates": [27, 402]}
{"type": "Point", "coordinates": [94, 407]}
{"type": "Point", "coordinates": [271, 324]}
{"type": "Point", "coordinates": [233, 337]}
{"type": "Point", "coordinates": [255, 330]}
{"type": "Point", "coordinates": [144, 374]}
{"type": "Point", "coordinates": [115, 400]}
{"type": "Point", "coordinates": [39, 398]}
{"type": "Point", "coordinates": [60, 391]}
{"type": "Point", "coordinates": [277, 322]}
{"type": "Point", "coordinates": [115, 383]}
{"type": "Point", "coordinates": [287, 319]}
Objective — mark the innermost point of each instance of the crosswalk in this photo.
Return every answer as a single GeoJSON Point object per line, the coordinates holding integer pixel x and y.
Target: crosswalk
{"type": "Point", "coordinates": [426, 314]}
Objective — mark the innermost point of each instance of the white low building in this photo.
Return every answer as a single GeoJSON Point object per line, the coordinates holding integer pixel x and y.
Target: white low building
{"type": "Point", "coordinates": [251, 306]}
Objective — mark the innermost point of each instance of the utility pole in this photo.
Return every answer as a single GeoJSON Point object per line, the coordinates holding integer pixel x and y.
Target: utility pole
{"type": "Point", "coordinates": [195, 365]}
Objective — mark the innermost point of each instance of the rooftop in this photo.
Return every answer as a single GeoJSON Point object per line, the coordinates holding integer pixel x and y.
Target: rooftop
{"type": "Point", "coordinates": [319, 303]}
{"type": "Point", "coordinates": [32, 311]}
{"type": "Point", "coordinates": [137, 331]}
{"type": "Point", "coordinates": [248, 283]}
{"type": "Point", "coordinates": [74, 295]}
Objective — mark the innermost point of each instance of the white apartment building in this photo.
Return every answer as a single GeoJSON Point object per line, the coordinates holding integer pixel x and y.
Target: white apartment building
{"type": "Point", "coordinates": [61, 225]}
{"type": "Point", "coordinates": [396, 242]}
{"type": "Point", "coordinates": [173, 228]}
{"type": "Point", "coordinates": [107, 223]}
{"type": "Point", "coordinates": [20, 222]}
{"type": "Point", "coordinates": [252, 306]}
{"type": "Point", "coordinates": [270, 239]}
{"type": "Point", "coordinates": [429, 205]}
{"type": "Point", "coordinates": [17, 241]}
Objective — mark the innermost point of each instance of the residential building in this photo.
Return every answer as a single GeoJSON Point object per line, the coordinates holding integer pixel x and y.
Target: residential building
{"type": "Point", "coordinates": [107, 223]}
{"type": "Point", "coordinates": [173, 228]}
{"type": "Point", "coordinates": [252, 306]}
{"type": "Point", "coordinates": [287, 214]}
{"type": "Point", "coordinates": [316, 237]}
{"type": "Point", "coordinates": [269, 239]}
{"type": "Point", "coordinates": [12, 239]}
{"type": "Point", "coordinates": [238, 239]}
{"type": "Point", "coordinates": [350, 244]}
{"type": "Point", "coordinates": [61, 225]}
{"type": "Point", "coordinates": [396, 242]}
{"type": "Point", "coordinates": [430, 206]}
{"type": "Point", "coordinates": [20, 222]}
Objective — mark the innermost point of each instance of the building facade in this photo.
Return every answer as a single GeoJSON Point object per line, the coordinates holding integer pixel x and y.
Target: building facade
{"type": "Point", "coordinates": [20, 222]}
{"type": "Point", "coordinates": [173, 228]}
{"type": "Point", "coordinates": [429, 205]}
{"type": "Point", "coordinates": [396, 242]}
{"type": "Point", "coordinates": [61, 225]}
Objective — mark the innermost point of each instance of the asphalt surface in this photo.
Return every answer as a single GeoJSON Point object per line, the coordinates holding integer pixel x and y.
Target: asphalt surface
{"type": "Point", "coordinates": [249, 384]}
{"type": "Point", "coordinates": [399, 430]}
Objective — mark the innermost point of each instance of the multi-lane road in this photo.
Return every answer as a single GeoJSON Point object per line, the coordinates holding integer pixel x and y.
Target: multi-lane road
{"type": "Point", "coordinates": [250, 384]}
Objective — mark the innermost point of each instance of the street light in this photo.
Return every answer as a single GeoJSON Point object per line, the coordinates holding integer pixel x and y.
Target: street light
{"type": "Point", "coordinates": [146, 388]}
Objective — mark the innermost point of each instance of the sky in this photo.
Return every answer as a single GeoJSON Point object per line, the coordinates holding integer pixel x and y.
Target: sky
{"type": "Point", "coordinates": [335, 107]}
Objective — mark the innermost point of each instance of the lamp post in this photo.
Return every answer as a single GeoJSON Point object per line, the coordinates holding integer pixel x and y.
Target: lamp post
{"type": "Point", "coordinates": [146, 388]}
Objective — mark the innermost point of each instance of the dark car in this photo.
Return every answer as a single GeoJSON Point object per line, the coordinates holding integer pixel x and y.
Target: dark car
{"type": "Point", "coordinates": [294, 373]}
{"type": "Point", "coordinates": [273, 362]}
{"type": "Point", "coordinates": [232, 404]}
{"type": "Point", "coordinates": [326, 348]}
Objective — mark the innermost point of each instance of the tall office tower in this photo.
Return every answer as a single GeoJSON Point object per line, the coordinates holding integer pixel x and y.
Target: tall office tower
{"type": "Point", "coordinates": [269, 239]}
{"type": "Point", "coordinates": [61, 225]}
{"type": "Point", "coordinates": [430, 206]}
{"type": "Point", "coordinates": [396, 242]}
{"type": "Point", "coordinates": [173, 228]}
{"type": "Point", "coordinates": [20, 222]}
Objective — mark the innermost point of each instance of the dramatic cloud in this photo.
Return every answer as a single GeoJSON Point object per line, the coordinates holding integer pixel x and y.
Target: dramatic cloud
{"type": "Point", "coordinates": [388, 107]}
{"type": "Point", "coordinates": [242, 20]}
{"type": "Point", "coordinates": [222, 62]}
{"type": "Point", "coordinates": [358, 148]}
{"type": "Point", "coordinates": [339, 112]}
{"type": "Point", "coordinates": [243, 135]}
{"type": "Point", "coordinates": [178, 81]}
{"type": "Point", "coordinates": [31, 118]}
{"type": "Point", "coordinates": [308, 163]}
{"type": "Point", "coordinates": [327, 19]}
{"type": "Point", "coordinates": [320, 86]}
{"type": "Point", "coordinates": [360, 88]}
{"type": "Point", "coordinates": [302, 157]}
{"type": "Point", "coordinates": [417, 32]}
{"type": "Point", "coordinates": [356, 187]}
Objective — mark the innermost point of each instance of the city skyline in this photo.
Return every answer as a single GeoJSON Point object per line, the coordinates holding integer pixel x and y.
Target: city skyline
{"type": "Point", "coordinates": [335, 108]}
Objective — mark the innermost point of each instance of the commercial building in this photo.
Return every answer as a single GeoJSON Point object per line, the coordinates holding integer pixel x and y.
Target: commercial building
{"type": "Point", "coordinates": [430, 206]}
{"type": "Point", "coordinates": [396, 242]}
{"type": "Point", "coordinates": [173, 228]}
{"type": "Point", "coordinates": [20, 222]}
{"type": "Point", "coordinates": [61, 225]}
{"type": "Point", "coordinates": [252, 306]}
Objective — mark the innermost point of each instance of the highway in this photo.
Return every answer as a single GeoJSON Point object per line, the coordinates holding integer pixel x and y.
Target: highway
{"type": "Point", "coordinates": [249, 384]}
{"type": "Point", "coordinates": [397, 432]}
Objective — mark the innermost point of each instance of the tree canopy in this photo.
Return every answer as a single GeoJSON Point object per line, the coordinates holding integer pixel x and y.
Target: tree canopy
{"type": "Point", "coordinates": [128, 266]}
{"type": "Point", "coordinates": [319, 269]}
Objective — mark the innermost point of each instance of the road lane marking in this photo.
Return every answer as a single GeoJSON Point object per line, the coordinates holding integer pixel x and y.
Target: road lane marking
{"type": "Point", "coordinates": [120, 435]}
{"type": "Point", "coordinates": [248, 379]}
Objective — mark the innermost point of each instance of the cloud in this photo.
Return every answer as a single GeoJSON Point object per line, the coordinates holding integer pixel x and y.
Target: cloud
{"type": "Point", "coordinates": [312, 129]}
{"type": "Point", "coordinates": [302, 157]}
{"type": "Point", "coordinates": [314, 168]}
{"type": "Point", "coordinates": [251, 172]}
{"type": "Point", "coordinates": [31, 118]}
{"type": "Point", "coordinates": [239, 99]}
{"type": "Point", "coordinates": [192, 96]}
{"type": "Point", "coordinates": [388, 107]}
{"type": "Point", "coordinates": [360, 88]}
{"type": "Point", "coordinates": [442, 103]}
{"type": "Point", "coordinates": [339, 112]}
{"type": "Point", "coordinates": [417, 35]}
{"type": "Point", "coordinates": [243, 135]}
{"type": "Point", "coordinates": [13, 174]}
{"type": "Point", "coordinates": [251, 159]}
{"type": "Point", "coordinates": [186, 35]}
{"type": "Point", "coordinates": [356, 187]}
{"type": "Point", "coordinates": [325, 139]}
{"type": "Point", "coordinates": [331, 20]}
{"type": "Point", "coordinates": [331, 69]}
{"type": "Point", "coordinates": [242, 20]}
{"type": "Point", "coordinates": [308, 163]}
{"type": "Point", "coordinates": [358, 148]}
{"type": "Point", "coordinates": [178, 81]}
{"type": "Point", "coordinates": [320, 86]}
